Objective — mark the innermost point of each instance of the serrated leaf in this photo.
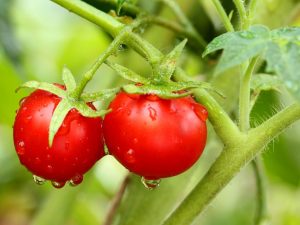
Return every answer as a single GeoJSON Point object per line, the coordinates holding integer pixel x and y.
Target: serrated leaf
{"type": "Point", "coordinates": [68, 79]}
{"type": "Point", "coordinates": [284, 59]}
{"type": "Point", "coordinates": [168, 64]}
{"type": "Point", "coordinates": [265, 82]}
{"type": "Point", "coordinates": [127, 73]}
{"type": "Point", "coordinates": [86, 111]}
{"type": "Point", "coordinates": [44, 86]}
{"type": "Point", "coordinates": [99, 96]}
{"type": "Point", "coordinates": [239, 46]}
{"type": "Point", "coordinates": [58, 117]}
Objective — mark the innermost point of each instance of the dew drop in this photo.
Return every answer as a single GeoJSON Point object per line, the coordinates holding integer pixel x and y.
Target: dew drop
{"type": "Point", "coordinates": [24, 108]}
{"type": "Point", "coordinates": [152, 113]}
{"type": "Point", "coordinates": [28, 119]}
{"type": "Point", "coordinates": [135, 140]}
{"type": "Point", "coordinates": [57, 184]}
{"type": "Point", "coordinates": [201, 112]}
{"type": "Point", "coordinates": [76, 180]}
{"type": "Point", "coordinates": [150, 184]}
{"type": "Point", "coordinates": [21, 148]}
{"type": "Point", "coordinates": [67, 145]}
{"type": "Point", "coordinates": [38, 180]}
{"type": "Point", "coordinates": [129, 156]}
{"type": "Point", "coordinates": [247, 34]}
{"type": "Point", "coordinates": [37, 161]}
{"type": "Point", "coordinates": [49, 169]}
{"type": "Point", "coordinates": [48, 157]}
{"type": "Point", "coordinates": [128, 112]}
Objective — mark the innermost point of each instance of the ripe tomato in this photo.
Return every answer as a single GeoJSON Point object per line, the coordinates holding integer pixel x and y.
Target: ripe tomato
{"type": "Point", "coordinates": [154, 137]}
{"type": "Point", "coordinates": [76, 147]}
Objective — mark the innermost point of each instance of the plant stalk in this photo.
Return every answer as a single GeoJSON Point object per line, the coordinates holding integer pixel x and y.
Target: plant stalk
{"type": "Point", "coordinates": [223, 15]}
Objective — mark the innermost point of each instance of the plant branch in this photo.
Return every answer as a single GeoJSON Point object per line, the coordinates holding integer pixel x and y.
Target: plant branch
{"type": "Point", "coordinates": [251, 10]}
{"type": "Point", "coordinates": [116, 201]}
{"type": "Point", "coordinates": [244, 99]}
{"type": "Point", "coordinates": [184, 20]}
{"type": "Point", "coordinates": [223, 15]}
{"type": "Point", "coordinates": [177, 29]}
{"type": "Point", "coordinates": [261, 208]}
{"type": "Point", "coordinates": [107, 22]}
{"type": "Point", "coordinates": [239, 4]}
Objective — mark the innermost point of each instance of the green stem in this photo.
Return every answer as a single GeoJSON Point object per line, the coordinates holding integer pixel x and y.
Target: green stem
{"type": "Point", "coordinates": [90, 73]}
{"type": "Point", "coordinates": [261, 208]}
{"type": "Point", "coordinates": [242, 12]}
{"type": "Point", "coordinates": [244, 107]}
{"type": "Point", "coordinates": [184, 20]}
{"type": "Point", "coordinates": [223, 15]}
{"type": "Point", "coordinates": [251, 11]}
{"type": "Point", "coordinates": [177, 29]}
{"type": "Point", "coordinates": [107, 22]}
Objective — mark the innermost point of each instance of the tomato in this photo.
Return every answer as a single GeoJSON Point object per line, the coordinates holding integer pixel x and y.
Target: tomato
{"type": "Point", "coordinates": [76, 147]}
{"type": "Point", "coordinates": [154, 137]}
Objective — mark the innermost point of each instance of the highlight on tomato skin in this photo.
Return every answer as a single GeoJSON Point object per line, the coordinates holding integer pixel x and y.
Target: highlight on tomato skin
{"type": "Point", "coordinates": [153, 137]}
{"type": "Point", "coordinates": [76, 147]}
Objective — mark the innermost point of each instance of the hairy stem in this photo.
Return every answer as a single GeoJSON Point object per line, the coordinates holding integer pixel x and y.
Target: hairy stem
{"type": "Point", "coordinates": [223, 15]}
{"type": "Point", "coordinates": [239, 4]}
{"type": "Point", "coordinates": [251, 10]}
{"type": "Point", "coordinates": [107, 22]}
{"type": "Point", "coordinates": [244, 99]}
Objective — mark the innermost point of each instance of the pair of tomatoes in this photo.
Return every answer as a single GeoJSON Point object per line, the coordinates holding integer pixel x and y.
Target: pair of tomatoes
{"type": "Point", "coordinates": [150, 136]}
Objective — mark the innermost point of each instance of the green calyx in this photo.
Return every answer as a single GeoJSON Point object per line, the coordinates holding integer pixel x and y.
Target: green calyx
{"type": "Point", "coordinates": [68, 102]}
{"type": "Point", "coordinates": [160, 82]}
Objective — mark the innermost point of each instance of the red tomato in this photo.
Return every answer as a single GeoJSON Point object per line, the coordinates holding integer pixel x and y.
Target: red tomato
{"type": "Point", "coordinates": [77, 145]}
{"type": "Point", "coordinates": [154, 137]}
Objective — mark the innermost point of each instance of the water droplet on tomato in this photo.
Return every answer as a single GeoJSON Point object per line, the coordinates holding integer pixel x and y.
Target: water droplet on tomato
{"type": "Point", "coordinates": [38, 180]}
{"type": "Point", "coordinates": [152, 113]}
{"type": "Point", "coordinates": [28, 119]}
{"type": "Point", "coordinates": [48, 157]}
{"type": "Point", "coordinates": [201, 112]}
{"type": "Point", "coordinates": [21, 148]}
{"type": "Point", "coordinates": [64, 129]}
{"type": "Point", "coordinates": [77, 179]}
{"type": "Point", "coordinates": [150, 184]}
{"type": "Point", "coordinates": [57, 184]}
{"type": "Point", "coordinates": [22, 100]}
{"type": "Point", "coordinates": [37, 161]}
{"type": "Point", "coordinates": [130, 156]}
{"type": "Point", "coordinates": [135, 140]}
{"type": "Point", "coordinates": [49, 169]}
{"type": "Point", "coordinates": [128, 112]}
{"type": "Point", "coordinates": [24, 108]}
{"type": "Point", "coordinates": [67, 145]}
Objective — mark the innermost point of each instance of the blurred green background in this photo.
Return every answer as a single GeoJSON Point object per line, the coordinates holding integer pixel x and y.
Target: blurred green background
{"type": "Point", "coordinates": [37, 38]}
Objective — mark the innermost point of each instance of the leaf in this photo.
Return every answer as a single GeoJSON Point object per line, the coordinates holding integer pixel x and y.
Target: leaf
{"type": "Point", "coordinates": [265, 82]}
{"type": "Point", "coordinates": [44, 86]}
{"type": "Point", "coordinates": [127, 73]}
{"type": "Point", "coordinates": [284, 60]}
{"type": "Point", "coordinates": [239, 46]}
{"type": "Point", "coordinates": [58, 117]}
{"type": "Point", "coordinates": [168, 64]}
{"type": "Point", "coordinates": [99, 96]}
{"type": "Point", "coordinates": [68, 79]}
{"type": "Point", "coordinates": [86, 111]}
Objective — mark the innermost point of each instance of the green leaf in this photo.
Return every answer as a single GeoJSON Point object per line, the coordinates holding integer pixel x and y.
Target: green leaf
{"type": "Point", "coordinates": [127, 73]}
{"type": "Point", "coordinates": [58, 117]}
{"type": "Point", "coordinates": [265, 82]}
{"type": "Point", "coordinates": [44, 86]}
{"type": "Point", "coordinates": [239, 46]}
{"type": "Point", "coordinates": [99, 96]}
{"type": "Point", "coordinates": [68, 79]}
{"type": "Point", "coordinates": [86, 111]}
{"type": "Point", "coordinates": [168, 64]}
{"type": "Point", "coordinates": [284, 60]}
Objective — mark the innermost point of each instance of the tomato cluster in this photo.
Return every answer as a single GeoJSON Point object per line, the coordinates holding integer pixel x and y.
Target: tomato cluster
{"type": "Point", "coordinates": [150, 136]}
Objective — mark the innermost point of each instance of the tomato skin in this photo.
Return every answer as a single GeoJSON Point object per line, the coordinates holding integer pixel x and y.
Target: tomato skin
{"type": "Point", "coordinates": [154, 137]}
{"type": "Point", "coordinates": [76, 147]}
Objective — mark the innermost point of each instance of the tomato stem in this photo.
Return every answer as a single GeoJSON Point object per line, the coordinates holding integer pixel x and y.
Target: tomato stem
{"type": "Point", "coordinates": [223, 15]}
